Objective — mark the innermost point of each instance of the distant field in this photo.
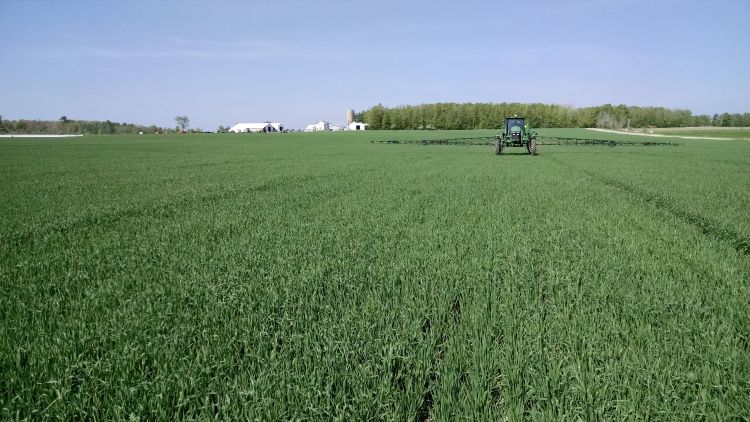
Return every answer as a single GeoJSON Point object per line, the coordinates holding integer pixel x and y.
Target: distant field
{"type": "Point", "coordinates": [734, 133]}
{"type": "Point", "coordinates": [318, 276]}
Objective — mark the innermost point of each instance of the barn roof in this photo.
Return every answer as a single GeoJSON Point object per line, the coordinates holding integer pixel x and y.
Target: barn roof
{"type": "Point", "coordinates": [251, 125]}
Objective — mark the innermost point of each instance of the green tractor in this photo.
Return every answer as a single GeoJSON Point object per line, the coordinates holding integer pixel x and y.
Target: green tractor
{"type": "Point", "coordinates": [516, 134]}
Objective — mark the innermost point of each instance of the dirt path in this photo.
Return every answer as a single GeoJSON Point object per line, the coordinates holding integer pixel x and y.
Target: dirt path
{"type": "Point", "coordinates": [660, 135]}
{"type": "Point", "coordinates": [39, 136]}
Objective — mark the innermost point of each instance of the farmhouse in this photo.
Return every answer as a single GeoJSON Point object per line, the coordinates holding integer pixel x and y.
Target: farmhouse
{"type": "Point", "coordinates": [357, 126]}
{"type": "Point", "coordinates": [257, 127]}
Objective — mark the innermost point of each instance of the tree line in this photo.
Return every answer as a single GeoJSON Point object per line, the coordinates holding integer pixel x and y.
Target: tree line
{"type": "Point", "coordinates": [491, 116]}
{"type": "Point", "coordinates": [67, 126]}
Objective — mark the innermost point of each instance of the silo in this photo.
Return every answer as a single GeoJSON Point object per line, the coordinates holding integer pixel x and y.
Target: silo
{"type": "Point", "coordinates": [349, 116]}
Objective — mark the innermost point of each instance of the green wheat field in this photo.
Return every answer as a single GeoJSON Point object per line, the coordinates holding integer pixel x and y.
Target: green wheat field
{"type": "Point", "coordinates": [317, 276]}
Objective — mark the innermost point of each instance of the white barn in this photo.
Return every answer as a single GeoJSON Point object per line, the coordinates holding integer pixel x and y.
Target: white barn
{"type": "Point", "coordinates": [321, 125]}
{"type": "Point", "coordinates": [257, 127]}
{"type": "Point", "coordinates": [357, 126]}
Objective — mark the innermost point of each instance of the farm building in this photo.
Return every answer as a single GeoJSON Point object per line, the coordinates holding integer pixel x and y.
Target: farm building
{"type": "Point", "coordinates": [257, 127]}
{"type": "Point", "coordinates": [321, 125]}
{"type": "Point", "coordinates": [357, 126]}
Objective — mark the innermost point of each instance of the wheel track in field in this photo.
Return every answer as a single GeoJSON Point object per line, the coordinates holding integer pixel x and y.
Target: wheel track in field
{"type": "Point", "coordinates": [706, 225]}
{"type": "Point", "coordinates": [452, 317]}
{"type": "Point", "coordinates": [26, 237]}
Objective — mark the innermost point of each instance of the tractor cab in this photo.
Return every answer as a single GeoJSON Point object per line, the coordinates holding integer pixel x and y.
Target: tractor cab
{"type": "Point", "coordinates": [514, 127]}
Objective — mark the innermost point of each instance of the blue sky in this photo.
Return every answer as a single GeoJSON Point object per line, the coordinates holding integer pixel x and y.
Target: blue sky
{"type": "Point", "coordinates": [221, 62]}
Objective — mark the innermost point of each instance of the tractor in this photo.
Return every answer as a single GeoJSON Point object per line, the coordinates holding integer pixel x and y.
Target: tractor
{"type": "Point", "coordinates": [516, 134]}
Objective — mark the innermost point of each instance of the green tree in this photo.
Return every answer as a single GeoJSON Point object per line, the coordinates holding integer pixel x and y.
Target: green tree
{"type": "Point", "coordinates": [108, 127]}
{"type": "Point", "coordinates": [183, 122]}
{"type": "Point", "coordinates": [374, 117]}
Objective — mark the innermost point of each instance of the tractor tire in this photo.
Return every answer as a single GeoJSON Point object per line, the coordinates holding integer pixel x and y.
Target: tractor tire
{"type": "Point", "coordinates": [498, 146]}
{"type": "Point", "coordinates": [532, 146]}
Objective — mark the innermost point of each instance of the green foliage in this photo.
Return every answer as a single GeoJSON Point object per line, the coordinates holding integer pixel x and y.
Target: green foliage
{"type": "Point", "coordinates": [68, 126]}
{"type": "Point", "coordinates": [183, 122]}
{"type": "Point", "coordinates": [732, 120]}
{"type": "Point", "coordinates": [359, 116]}
{"type": "Point", "coordinates": [487, 116]}
{"type": "Point", "coordinates": [320, 277]}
